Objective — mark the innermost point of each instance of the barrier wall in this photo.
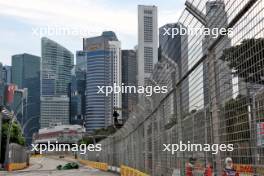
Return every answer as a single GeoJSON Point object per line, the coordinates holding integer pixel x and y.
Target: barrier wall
{"type": "Point", "coordinates": [19, 158]}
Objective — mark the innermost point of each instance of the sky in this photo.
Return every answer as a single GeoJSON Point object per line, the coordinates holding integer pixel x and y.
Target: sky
{"type": "Point", "coordinates": [24, 22]}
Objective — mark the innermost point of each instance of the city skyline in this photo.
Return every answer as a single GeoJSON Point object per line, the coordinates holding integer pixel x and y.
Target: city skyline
{"type": "Point", "coordinates": [157, 88]}
{"type": "Point", "coordinates": [18, 20]}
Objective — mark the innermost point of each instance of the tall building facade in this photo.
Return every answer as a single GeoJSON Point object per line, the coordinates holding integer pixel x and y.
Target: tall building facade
{"type": "Point", "coordinates": [115, 56]}
{"type": "Point", "coordinates": [1, 72]}
{"type": "Point", "coordinates": [103, 55]}
{"type": "Point", "coordinates": [56, 66]}
{"type": "Point", "coordinates": [176, 49]}
{"type": "Point", "coordinates": [78, 86]}
{"type": "Point", "coordinates": [2, 84]}
{"type": "Point", "coordinates": [26, 74]}
{"type": "Point", "coordinates": [129, 78]}
{"type": "Point", "coordinates": [165, 74]}
{"type": "Point", "coordinates": [147, 42]}
{"type": "Point", "coordinates": [81, 60]}
{"type": "Point", "coordinates": [77, 96]}
{"type": "Point", "coordinates": [54, 111]}
{"type": "Point", "coordinates": [6, 74]}
{"type": "Point", "coordinates": [217, 18]}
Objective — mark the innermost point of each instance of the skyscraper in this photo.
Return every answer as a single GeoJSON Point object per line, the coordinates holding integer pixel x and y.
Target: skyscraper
{"type": "Point", "coordinates": [26, 74]}
{"type": "Point", "coordinates": [54, 111]}
{"type": "Point", "coordinates": [2, 84]}
{"type": "Point", "coordinates": [78, 86]}
{"type": "Point", "coordinates": [81, 60]}
{"type": "Point", "coordinates": [56, 66]}
{"type": "Point", "coordinates": [217, 18]}
{"type": "Point", "coordinates": [77, 96]}
{"type": "Point", "coordinates": [129, 78]}
{"type": "Point", "coordinates": [103, 55]}
{"type": "Point", "coordinates": [177, 50]}
{"type": "Point", "coordinates": [115, 56]}
{"type": "Point", "coordinates": [147, 42]}
{"type": "Point", "coordinates": [1, 72]}
{"type": "Point", "coordinates": [6, 74]}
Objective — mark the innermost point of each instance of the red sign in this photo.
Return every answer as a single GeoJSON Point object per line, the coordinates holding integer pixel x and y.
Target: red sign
{"type": "Point", "coordinates": [10, 91]}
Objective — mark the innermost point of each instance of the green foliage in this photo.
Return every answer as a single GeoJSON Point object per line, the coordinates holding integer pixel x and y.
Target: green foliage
{"type": "Point", "coordinates": [86, 141]}
{"type": "Point", "coordinates": [99, 134]}
{"type": "Point", "coordinates": [16, 136]}
{"type": "Point", "coordinates": [246, 60]}
{"type": "Point", "coordinates": [105, 131]}
{"type": "Point", "coordinates": [236, 118]}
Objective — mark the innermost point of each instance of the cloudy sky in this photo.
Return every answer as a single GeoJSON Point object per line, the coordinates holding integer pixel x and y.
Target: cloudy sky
{"type": "Point", "coordinates": [21, 22]}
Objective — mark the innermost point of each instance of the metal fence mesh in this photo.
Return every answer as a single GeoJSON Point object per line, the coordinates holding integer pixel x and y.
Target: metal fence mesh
{"type": "Point", "coordinates": [215, 96]}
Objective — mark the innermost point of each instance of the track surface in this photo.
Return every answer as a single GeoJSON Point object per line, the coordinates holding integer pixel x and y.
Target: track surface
{"type": "Point", "coordinates": [46, 166]}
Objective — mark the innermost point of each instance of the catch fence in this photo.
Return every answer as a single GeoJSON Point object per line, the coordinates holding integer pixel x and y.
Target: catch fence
{"type": "Point", "coordinates": [215, 96]}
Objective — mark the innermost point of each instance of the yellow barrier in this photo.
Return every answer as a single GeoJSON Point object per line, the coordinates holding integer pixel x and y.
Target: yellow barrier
{"type": "Point", "coordinates": [96, 165]}
{"type": "Point", "coordinates": [16, 166]}
{"type": "Point", "coordinates": [128, 171]}
{"type": "Point", "coordinates": [36, 155]}
{"type": "Point", "coordinates": [124, 170]}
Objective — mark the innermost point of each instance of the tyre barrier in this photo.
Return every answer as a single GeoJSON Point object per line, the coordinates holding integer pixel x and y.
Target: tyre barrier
{"type": "Point", "coordinates": [128, 171]}
{"type": "Point", "coordinates": [96, 165]}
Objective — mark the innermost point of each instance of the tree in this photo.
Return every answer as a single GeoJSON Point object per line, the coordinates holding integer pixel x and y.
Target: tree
{"type": "Point", "coordinates": [16, 136]}
{"type": "Point", "coordinates": [99, 134]}
{"type": "Point", "coordinates": [247, 60]}
{"type": "Point", "coordinates": [236, 127]}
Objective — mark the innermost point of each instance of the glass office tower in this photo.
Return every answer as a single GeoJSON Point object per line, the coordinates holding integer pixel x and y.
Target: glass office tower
{"type": "Point", "coordinates": [56, 65]}
{"type": "Point", "coordinates": [26, 74]}
{"type": "Point", "coordinates": [103, 65]}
